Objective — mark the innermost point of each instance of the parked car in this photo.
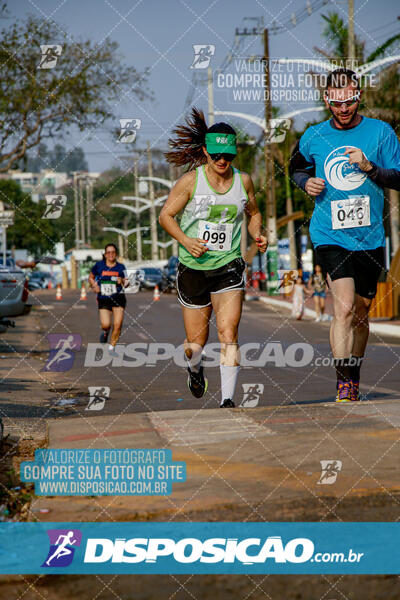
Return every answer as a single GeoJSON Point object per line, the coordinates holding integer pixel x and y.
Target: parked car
{"type": "Point", "coordinates": [171, 268]}
{"type": "Point", "coordinates": [13, 294]}
{"type": "Point", "coordinates": [41, 280]}
{"type": "Point", "coordinates": [151, 277]}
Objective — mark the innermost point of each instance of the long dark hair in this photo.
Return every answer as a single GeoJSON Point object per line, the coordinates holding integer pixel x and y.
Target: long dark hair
{"type": "Point", "coordinates": [190, 138]}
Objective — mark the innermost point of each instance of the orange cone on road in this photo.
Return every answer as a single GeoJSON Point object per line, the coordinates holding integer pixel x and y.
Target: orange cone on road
{"type": "Point", "coordinates": [58, 293]}
{"type": "Point", "coordinates": [156, 295]}
{"type": "Point", "coordinates": [83, 292]}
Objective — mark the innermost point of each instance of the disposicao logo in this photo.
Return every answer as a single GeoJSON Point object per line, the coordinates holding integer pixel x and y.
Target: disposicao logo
{"type": "Point", "coordinates": [191, 550]}
{"type": "Point", "coordinates": [62, 547]}
{"type": "Point", "coordinates": [340, 173]}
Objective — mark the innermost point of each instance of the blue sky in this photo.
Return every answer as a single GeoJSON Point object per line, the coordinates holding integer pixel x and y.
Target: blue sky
{"type": "Point", "coordinates": [160, 35]}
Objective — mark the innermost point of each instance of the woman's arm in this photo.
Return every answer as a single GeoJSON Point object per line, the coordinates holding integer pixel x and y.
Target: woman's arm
{"type": "Point", "coordinates": [93, 284]}
{"type": "Point", "coordinates": [255, 220]}
{"type": "Point", "coordinates": [177, 199]}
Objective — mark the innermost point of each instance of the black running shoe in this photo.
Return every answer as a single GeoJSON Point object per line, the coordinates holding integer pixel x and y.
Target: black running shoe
{"type": "Point", "coordinates": [197, 383]}
{"type": "Point", "coordinates": [227, 404]}
{"type": "Point", "coordinates": [103, 337]}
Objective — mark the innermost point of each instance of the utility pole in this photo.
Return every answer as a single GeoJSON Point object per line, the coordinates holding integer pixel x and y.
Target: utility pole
{"type": "Point", "coordinates": [76, 208]}
{"type": "Point", "coordinates": [173, 175]}
{"type": "Point", "coordinates": [269, 186]}
{"type": "Point", "coordinates": [272, 251]}
{"type": "Point", "coordinates": [89, 204]}
{"type": "Point", "coordinates": [351, 41]}
{"type": "Point", "coordinates": [81, 214]}
{"type": "Point", "coordinates": [136, 190]}
{"type": "Point", "coordinates": [210, 97]}
{"type": "Point", "coordinates": [289, 204]}
{"type": "Point", "coordinates": [153, 217]}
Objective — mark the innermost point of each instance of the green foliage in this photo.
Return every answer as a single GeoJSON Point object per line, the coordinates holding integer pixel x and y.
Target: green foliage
{"type": "Point", "coordinates": [29, 231]}
{"type": "Point", "coordinates": [43, 103]}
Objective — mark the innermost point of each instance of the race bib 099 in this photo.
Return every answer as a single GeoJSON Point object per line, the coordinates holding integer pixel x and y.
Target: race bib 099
{"type": "Point", "coordinates": [217, 235]}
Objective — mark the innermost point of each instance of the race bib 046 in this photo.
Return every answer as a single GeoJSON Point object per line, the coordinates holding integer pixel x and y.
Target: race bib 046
{"type": "Point", "coordinates": [217, 235]}
{"type": "Point", "coordinates": [353, 211]}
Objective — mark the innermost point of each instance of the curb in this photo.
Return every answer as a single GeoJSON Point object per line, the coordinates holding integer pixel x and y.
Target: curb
{"type": "Point", "coordinates": [381, 328]}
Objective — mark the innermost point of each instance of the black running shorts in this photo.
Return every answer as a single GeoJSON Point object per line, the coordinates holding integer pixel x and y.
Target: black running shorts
{"type": "Point", "coordinates": [364, 266]}
{"type": "Point", "coordinates": [110, 302]}
{"type": "Point", "coordinates": [195, 286]}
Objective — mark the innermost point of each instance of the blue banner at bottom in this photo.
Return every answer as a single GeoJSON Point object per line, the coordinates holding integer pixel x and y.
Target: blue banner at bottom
{"type": "Point", "coordinates": [199, 548]}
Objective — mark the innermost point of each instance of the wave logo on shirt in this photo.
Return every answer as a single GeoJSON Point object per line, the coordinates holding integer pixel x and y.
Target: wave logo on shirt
{"type": "Point", "coordinates": [340, 173]}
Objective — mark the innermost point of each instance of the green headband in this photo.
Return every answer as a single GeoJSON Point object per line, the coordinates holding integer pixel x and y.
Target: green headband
{"type": "Point", "coordinates": [221, 143]}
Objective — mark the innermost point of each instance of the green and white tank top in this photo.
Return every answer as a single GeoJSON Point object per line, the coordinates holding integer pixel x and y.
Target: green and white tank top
{"type": "Point", "coordinates": [215, 217]}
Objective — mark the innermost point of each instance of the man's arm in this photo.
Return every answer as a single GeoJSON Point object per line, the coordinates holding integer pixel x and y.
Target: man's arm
{"type": "Point", "coordinates": [303, 173]}
{"type": "Point", "coordinates": [389, 178]}
{"type": "Point", "coordinates": [300, 169]}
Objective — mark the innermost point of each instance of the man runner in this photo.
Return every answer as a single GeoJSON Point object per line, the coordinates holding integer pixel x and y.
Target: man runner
{"type": "Point", "coordinates": [344, 163]}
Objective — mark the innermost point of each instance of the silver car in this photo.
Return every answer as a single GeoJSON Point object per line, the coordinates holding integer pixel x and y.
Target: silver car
{"type": "Point", "coordinates": [13, 294]}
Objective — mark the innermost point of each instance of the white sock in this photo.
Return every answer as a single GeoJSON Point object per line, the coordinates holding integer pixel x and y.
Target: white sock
{"type": "Point", "coordinates": [229, 377]}
{"type": "Point", "coordinates": [110, 347]}
{"type": "Point", "coordinates": [194, 363]}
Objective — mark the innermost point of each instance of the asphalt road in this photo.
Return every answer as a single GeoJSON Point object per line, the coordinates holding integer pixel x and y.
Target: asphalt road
{"type": "Point", "coordinates": [283, 358]}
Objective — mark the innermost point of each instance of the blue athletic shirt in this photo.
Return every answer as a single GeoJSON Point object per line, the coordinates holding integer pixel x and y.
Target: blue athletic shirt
{"type": "Point", "coordinates": [108, 277]}
{"type": "Point", "coordinates": [324, 146]}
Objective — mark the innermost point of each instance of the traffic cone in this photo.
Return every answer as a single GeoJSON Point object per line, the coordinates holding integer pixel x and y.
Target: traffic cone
{"type": "Point", "coordinates": [58, 293]}
{"type": "Point", "coordinates": [83, 292]}
{"type": "Point", "coordinates": [156, 295]}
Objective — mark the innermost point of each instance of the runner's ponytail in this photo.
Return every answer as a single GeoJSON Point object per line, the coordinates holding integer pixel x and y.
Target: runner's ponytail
{"type": "Point", "coordinates": [187, 146]}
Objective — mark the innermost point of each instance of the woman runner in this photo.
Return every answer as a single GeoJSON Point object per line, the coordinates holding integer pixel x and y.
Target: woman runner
{"type": "Point", "coordinates": [317, 285]}
{"type": "Point", "coordinates": [107, 279]}
{"type": "Point", "coordinates": [213, 196]}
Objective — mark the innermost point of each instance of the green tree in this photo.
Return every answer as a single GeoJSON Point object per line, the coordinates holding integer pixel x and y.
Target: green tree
{"type": "Point", "coordinates": [39, 103]}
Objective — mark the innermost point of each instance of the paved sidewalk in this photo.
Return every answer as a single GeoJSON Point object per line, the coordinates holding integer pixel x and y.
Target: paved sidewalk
{"type": "Point", "coordinates": [251, 459]}
{"type": "Point", "coordinates": [380, 326]}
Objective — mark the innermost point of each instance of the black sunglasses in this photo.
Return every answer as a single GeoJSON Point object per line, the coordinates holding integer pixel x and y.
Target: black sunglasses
{"type": "Point", "coordinates": [225, 156]}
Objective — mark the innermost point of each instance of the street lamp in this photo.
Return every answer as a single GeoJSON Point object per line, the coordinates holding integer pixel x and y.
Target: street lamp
{"type": "Point", "coordinates": [125, 234]}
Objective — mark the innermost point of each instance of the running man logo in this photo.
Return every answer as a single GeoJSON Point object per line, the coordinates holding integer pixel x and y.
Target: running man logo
{"type": "Point", "coordinates": [251, 394]}
{"type": "Point", "coordinates": [223, 213]}
{"type": "Point", "coordinates": [287, 280]}
{"type": "Point", "coordinates": [55, 205]}
{"type": "Point", "coordinates": [279, 128]}
{"type": "Point", "coordinates": [340, 173]}
{"type": "Point", "coordinates": [329, 471]}
{"type": "Point", "coordinates": [134, 277]}
{"type": "Point", "coordinates": [50, 55]}
{"type": "Point", "coordinates": [200, 205]}
{"type": "Point", "coordinates": [97, 397]}
{"type": "Point", "coordinates": [63, 543]}
{"type": "Point", "coordinates": [202, 56]}
{"type": "Point", "coordinates": [62, 351]}
{"type": "Point", "coordinates": [129, 129]}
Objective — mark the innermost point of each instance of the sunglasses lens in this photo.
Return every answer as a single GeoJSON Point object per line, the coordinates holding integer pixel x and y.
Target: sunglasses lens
{"type": "Point", "coordinates": [227, 157]}
{"type": "Point", "coordinates": [349, 102]}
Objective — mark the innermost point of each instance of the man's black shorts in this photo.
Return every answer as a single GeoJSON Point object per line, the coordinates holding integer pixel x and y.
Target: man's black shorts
{"type": "Point", "coordinates": [110, 302]}
{"type": "Point", "coordinates": [195, 286]}
{"type": "Point", "coordinates": [364, 266]}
